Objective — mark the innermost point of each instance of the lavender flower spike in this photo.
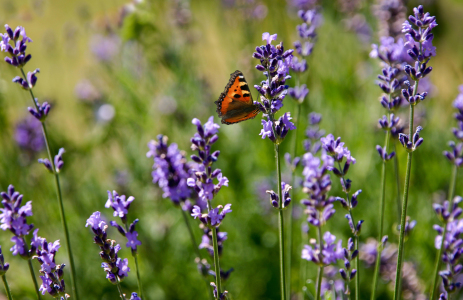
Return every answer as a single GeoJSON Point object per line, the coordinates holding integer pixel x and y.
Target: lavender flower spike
{"type": "Point", "coordinates": [119, 204]}
{"type": "Point", "coordinates": [52, 274]}
{"type": "Point", "coordinates": [203, 182]}
{"type": "Point", "coordinates": [170, 169]}
{"type": "Point", "coordinates": [12, 43]}
{"type": "Point", "coordinates": [116, 268]}
{"type": "Point", "coordinates": [275, 64]}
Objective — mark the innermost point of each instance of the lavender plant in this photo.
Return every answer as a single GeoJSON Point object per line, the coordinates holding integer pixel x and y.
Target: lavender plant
{"type": "Point", "coordinates": [13, 218]}
{"type": "Point", "coordinates": [307, 33]}
{"type": "Point", "coordinates": [311, 145]}
{"type": "Point", "coordinates": [319, 209]}
{"type": "Point", "coordinates": [390, 54]}
{"type": "Point", "coordinates": [275, 63]}
{"type": "Point", "coordinates": [450, 212]}
{"type": "Point", "coordinates": [3, 269]}
{"type": "Point", "coordinates": [14, 43]}
{"type": "Point", "coordinates": [115, 267]}
{"type": "Point", "coordinates": [449, 242]}
{"type": "Point", "coordinates": [121, 208]}
{"type": "Point", "coordinates": [419, 36]}
{"type": "Point", "coordinates": [391, 14]}
{"type": "Point", "coordinates": [171, 172]}
{"type": "Point", "coordinates": [336, 149]}
{"type": "Point", "coordinates": [203, 183]}
{"type": "Point", "coordinates": [52, 274]}
{"type": "Point", "coordinates": [412, 286]}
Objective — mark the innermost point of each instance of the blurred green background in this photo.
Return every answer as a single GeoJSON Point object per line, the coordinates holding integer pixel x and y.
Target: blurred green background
{"type": "Point", "coordinates": [118, 73]}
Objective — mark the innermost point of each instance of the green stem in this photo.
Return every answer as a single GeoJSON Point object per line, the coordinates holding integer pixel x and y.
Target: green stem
{"type": "Point", "coordinates": [303, 268]}
{"type": "Point", "coordinates": [140, 290]}
{"type": "Point", "coordinates": [435, 284]}
{"type": "Point", "coordinates": [381, 222]}
{"type": "Point", "coordinates": [31, 269]}
{"type": "Point", "coordinates": [398, 276]}
{"type": "Point", "coordinates": [119, 288]}
{"type": "Point", "coordinates": [7, 287]}
{"type": "Point", "coordinates": [281, 226]}
{"type": "Point", "coordinates": [397, 178]}
{"type": "Point", "coordinates": [320, 268]}
{"type": "Point", "coordinates": [452, 184]}
{"type": "Point", "coordinates": [195, 246]}
{"type": "Point", "coordinates": [218, 280]}
{"type": "Point", "coordinates": [60, 199]}
{"type": "Point", "coordinates": [135, 256]}
{"type": "Point", "coordinates": [294, 206]}
{"type": "Point", "coordinates": [190, 231]}
{"type": "Point", "coordinates": [356, 238]}
{"type": "Point", "coordinates": [357, 266]}
{"type": "Point", "coordinates": [319, 282]}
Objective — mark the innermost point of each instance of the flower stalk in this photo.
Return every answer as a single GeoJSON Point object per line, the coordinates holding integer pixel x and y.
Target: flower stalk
{"type": "Point", "coordinates": [59, 196]}
{"type": "Point", "coordinates": [195, 246]}
{"type": "Point", "coordinates": [281, 231]}
{"type": "Point", "coordinates": [419, 42]}
{"type": "Point", "coordinates": [7, 287]}
{"type": "Point", "coordinates": [36, 286]}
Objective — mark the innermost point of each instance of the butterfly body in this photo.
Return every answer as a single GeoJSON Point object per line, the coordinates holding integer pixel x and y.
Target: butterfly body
{"type": "Point", "coordinates": [235, 104]}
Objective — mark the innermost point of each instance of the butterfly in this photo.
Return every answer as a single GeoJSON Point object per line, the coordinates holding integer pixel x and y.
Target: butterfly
{"type": "Point", "coordinates": [235, 103]}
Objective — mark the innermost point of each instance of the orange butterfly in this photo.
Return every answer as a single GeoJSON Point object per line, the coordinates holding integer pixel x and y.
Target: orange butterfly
{"type": "Point", "coordinates": [235, 103]}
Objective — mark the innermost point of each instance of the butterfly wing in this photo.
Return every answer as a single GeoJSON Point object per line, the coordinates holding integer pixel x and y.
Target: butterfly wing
{"type": "Point", "coordinates": [235, 103]}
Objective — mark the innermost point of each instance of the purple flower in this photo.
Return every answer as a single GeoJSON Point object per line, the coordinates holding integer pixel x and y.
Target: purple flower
{"type": "Point", "coordinates": [452, 242]}
{"type": "Point", "coordinates": [349, 254]}
{"type": "Point", "coordinates": [52, 273]}
{"type": "Point", "coordinates": [313, 133]}
{"type": "Point", "coordinates": [275, 64]}
{"type": "Point", "coordinates": [170, 169]}
{"type": "Point", "coordinates": [96, 222]}
{"type": "Point", "coordinates": [206, 241]}
{"type": "Point", "coordinates": [328, 254]}
{"type": "Point", "coordinates": [391, 15]}
{"type": "Point", "coordinates": [28, 135]}
{"type": "Point", "coordinates": [12, 44]}
{"type": "Point", "coordinates": [40, 111]}
{"type": "Point", "coordinates": [13, 218]}
{"type": "Point", "coordinates": [299, 65]}
{"type": "Point", "coordinates": [58, 162]}
{"type": "Point", "coordinates": [282, 126]}
{"type": "Point", "coordinates": [336, 149]}
{"type": "Point", "coordinates": [389, 51]}
{"type": "Point", "coordinates": [419, 46]}
{"type": "Point", "coordinates": [123, 266]}
{"type": "Point", "coordinates": [121, 208]}
{"type": "Point", "coordinates": [299, 93]}
{"type": "Point", "coordinates": [269, 37]}
{"type": "Point", "coordinates": [458, 102]}
{"type": "Point", "coordinates": [19, 246]}
{"type": "Point", "coordinates": [132, 240]}
{"type": "Point", "coordinates": [3, 265]}
{"type": "Point", "coordinates": [202, 177]}
{"type": "Point", "coordinates": [214, 217]}
{"type": "Point", "coordinates": [135, 297]}
{"type": "Point", "coordinates": [414, 143]}
{"type": "Point", "coordinates": [119, 204]}
{"type": "Point", "coordinates": [267, 130]}
{"type": "Point", "coordinates": [113, 265]}
{"type": "Point", "coordinates": [30, 80]}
